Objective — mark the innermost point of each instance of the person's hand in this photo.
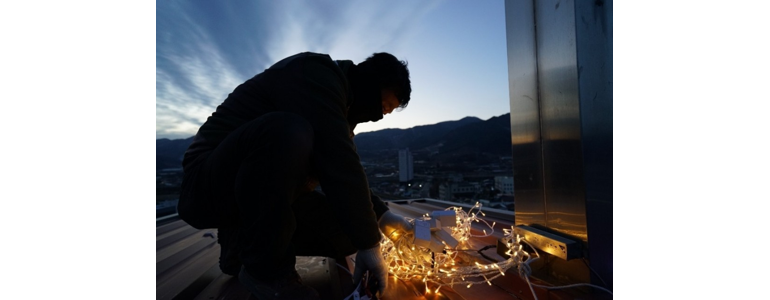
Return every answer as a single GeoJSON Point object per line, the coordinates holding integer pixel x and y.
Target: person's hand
{"type": "Point", "coordinates": [371, 260]}
{"type": "Point", "coordinates": [393, 225]}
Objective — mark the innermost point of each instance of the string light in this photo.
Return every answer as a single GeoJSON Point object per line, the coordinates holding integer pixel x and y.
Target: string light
{"type": "Point", "coordinates": [408, 261]}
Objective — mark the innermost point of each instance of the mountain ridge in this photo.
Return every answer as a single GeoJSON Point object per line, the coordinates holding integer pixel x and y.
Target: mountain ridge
{"type": "Point", "coordinates": [446, 139]}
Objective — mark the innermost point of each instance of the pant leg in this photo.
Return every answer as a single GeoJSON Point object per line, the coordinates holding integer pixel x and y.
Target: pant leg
{"type": "Point", "coordinates": [318, 231]}
{"type": "Point", "coordinates": [230, 250]}
{"type": "Point", "coordinates": [194, 206]}
{"type": "Point", "coordinates": [254, 176]}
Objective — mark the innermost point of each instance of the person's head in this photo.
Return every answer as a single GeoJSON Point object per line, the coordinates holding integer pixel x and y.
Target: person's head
{"type": "Point", "coordinates": [380, 85]}
{"type": "Point", "coordinates": [391, 76]}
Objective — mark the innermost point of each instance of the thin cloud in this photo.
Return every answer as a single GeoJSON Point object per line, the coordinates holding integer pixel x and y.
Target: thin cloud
{"type": "Point", "coordinates": [203, 51]}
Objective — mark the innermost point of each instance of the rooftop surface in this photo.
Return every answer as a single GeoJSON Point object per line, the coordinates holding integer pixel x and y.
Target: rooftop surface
{"type": "Point", "coordinates": [187, 266]}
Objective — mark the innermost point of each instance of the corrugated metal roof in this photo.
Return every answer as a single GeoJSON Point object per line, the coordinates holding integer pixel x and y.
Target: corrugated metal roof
{"type": "Point", "coordinates": [187, 266]}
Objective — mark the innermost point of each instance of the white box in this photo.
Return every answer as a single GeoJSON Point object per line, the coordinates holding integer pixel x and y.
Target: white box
{"type": "Point", "coordinates": [435, 224]}
{"type": "Point", "coordinates": [422, 233]}
{"type": "Point", "coordinates": [448, 218]}
{"type": "Point", "coordinates": [436, 245]}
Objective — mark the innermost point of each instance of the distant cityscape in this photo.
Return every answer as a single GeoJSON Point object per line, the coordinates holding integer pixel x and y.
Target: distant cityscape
{"type": "Point", "coordinates": [408, 175]}
{"type": "Point", "coordinates": [461, 161]}
{"type": "Point", "coordinates": [412, 175]}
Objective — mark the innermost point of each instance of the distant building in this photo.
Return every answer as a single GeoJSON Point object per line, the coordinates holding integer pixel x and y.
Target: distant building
{"type": "Point", "coordinates": [504, 184]}
{"type": "Point", "coordinates": [405, 165]}
{"type": "Point", "coordinates": [445, 192]}
{"type": "Point", "coordinates": [424, 190]}
{"type": "Point", "coordinates": [456, 177]}
{"type": "Point", "coordinates": [451, 190]}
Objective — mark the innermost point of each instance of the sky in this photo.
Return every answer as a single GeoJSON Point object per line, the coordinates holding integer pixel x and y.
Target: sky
{"type": "Point", "coordinates": [456, 53]}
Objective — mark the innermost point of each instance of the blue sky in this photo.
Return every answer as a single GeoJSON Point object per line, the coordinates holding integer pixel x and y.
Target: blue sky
{"type": "Point", "coordinates": [455, 49]}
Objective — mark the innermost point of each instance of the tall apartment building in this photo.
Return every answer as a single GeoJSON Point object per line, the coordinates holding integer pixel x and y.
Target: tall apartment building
{"type": "Point", "coordinates": [405, 165]}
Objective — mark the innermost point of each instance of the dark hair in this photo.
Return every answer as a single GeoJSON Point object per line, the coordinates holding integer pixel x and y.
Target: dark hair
{"type": "Point", "coordinates": [389, 73]}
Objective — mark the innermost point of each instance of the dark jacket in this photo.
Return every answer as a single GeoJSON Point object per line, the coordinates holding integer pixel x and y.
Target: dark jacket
{"type": "Point", "coordinates": [317, 88]}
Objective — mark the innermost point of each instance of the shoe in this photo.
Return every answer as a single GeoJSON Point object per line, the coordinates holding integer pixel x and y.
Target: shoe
{"type": "Point", "coordinates": [229, 260]}
{"type": "Point", "coordinates": [290, 287]}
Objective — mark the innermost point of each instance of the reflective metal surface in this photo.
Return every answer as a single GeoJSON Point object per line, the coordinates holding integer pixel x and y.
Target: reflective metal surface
{"type": "Point", "coordinates": [556, 245]}
{"type": "Point", "coordinates": [525, 115]}
{"type": "Point", "coordinates": [594, 44]}
{"type": "Point", "coordinates": [560, 73]}
{"type": "Point", "coordinates": [560, 132]}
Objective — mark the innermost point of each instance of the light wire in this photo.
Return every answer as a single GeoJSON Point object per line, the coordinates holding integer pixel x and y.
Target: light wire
{"type": "Point", "coordinates": [407, 261]}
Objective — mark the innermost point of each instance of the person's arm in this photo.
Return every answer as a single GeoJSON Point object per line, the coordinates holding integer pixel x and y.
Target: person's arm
{"type": "Point", "coordinates": [379, 206]}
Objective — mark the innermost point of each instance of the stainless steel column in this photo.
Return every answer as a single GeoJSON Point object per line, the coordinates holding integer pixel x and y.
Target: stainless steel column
{"type": "Point", "coordinates": [594, 56]}
{"type": "Point", "coordinates": [560, 80]}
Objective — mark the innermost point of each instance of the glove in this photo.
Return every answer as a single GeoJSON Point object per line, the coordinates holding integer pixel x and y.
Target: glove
{"type": "Point", "coordinates": [372, 260]}
{"type": "Point", "coordinates": [394, 226]}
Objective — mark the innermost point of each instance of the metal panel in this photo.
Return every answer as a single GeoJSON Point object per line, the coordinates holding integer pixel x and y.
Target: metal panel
{"type": "Point", "coordinates": [560, 132]}
{"type": "Point", "coordinates": [594, 50]}
{"type": "Point", "coordinates": [560, 72]}
{"type": "Point", "coordinates": [525, 116]}
{"type": "Point", "coordinates": [560, 118]}
{"type": "Point", "coordinates": [555, 245]}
